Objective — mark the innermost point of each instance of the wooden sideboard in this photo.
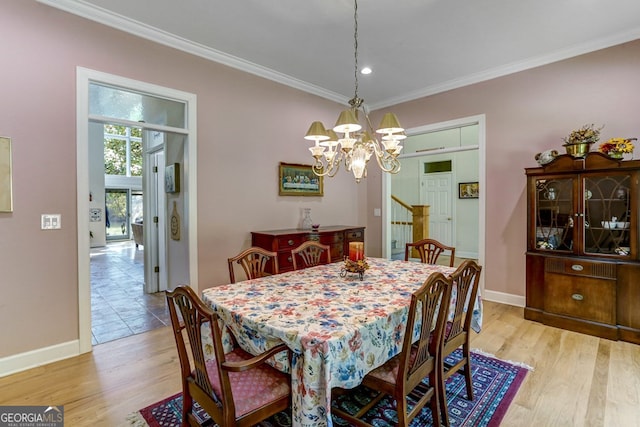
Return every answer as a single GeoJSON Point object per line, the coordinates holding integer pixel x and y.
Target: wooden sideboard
{"type": "Point", "coordinates": [282, 241]}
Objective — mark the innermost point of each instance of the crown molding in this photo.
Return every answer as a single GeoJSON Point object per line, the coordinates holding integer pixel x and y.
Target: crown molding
{"type": "Point", "coordinates": [139, 29]}
{"type": "Point", "coordinates": [514, 67]}
{"type": "Point", "coordinates": [94, 13]}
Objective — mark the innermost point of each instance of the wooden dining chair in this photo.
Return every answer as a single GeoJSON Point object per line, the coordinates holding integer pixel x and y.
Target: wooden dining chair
{"type": "Point", "coordinates": [403, 374]}
{"type": "Point", "coordinates": [254, 262]}
{"type": "Point", "coordinates": [311, 253]}
{"type": "Point", "coordinates": [429, 251]}
{"type": "Point", "coordinates": [457, 332]}
{"type": "Point", "coordinates": [235, 389]}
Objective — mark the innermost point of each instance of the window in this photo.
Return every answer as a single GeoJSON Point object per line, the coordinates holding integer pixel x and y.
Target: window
{"type": "Point", "coordinates": [122, 150]}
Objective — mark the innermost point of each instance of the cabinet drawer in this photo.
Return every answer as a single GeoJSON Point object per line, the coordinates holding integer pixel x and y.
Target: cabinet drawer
{"type": "Point", "coordinates": [290, 242]}
{"type": "Point", "coordinates": [329, 238]}
{"type": "Point", "coordinates": [285, 261]}
{"type": "Point", "coordinates": [579, 267]}
{"type": "Point", "coordinates": [581, 297]}
{"type": "Point", "coordinates": [337, 252]}
{"type": "Point", "coordinates": [355, 235]}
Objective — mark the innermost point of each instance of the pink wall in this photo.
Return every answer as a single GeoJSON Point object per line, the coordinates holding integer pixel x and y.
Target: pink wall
{"type": "Point", "coordinates": [246, 125]}
{"type": "Point", "coordinates": [526, 113]}
{"type": "Point", "coordinates": [242, 135]}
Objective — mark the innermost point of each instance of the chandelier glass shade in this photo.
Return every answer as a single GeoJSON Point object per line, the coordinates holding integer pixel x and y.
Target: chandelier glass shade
{"type": "Point", "coordinates": [356, 145]}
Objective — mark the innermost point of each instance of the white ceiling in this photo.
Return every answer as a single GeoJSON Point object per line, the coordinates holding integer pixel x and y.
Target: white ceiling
{"type": "Point", "coordinates": [415, 47]}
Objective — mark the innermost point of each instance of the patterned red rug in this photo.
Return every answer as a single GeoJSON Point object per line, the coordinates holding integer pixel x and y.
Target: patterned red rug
{"type": "Point", "coordinates": [495, 384]}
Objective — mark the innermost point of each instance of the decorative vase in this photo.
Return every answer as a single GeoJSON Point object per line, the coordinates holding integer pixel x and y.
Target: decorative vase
{"type": "Point", "coordinates": [615, 154]}
{"type": "Point", "coordinates": [307, 222]}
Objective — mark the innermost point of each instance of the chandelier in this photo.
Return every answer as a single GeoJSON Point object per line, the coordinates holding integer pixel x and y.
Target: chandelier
{"type": "Point", "coordinates": [357, 145]}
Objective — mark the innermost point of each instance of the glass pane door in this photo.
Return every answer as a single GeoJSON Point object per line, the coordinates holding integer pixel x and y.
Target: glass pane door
{"type": "Point", "coordinates": [607, 215]}
{"type": "Point", "coordinates": [117, 214]}
{"type": "Point", "coordinates": [554, 214]}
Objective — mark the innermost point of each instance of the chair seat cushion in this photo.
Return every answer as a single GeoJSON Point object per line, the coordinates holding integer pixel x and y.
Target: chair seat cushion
{"type": "Point", "coordinates": [389, 371]}
{"type": "Point", "coordinates": [252, 388]}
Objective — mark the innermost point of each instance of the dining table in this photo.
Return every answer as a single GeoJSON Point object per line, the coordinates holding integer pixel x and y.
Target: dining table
{"type": "Point", "coordinates": [338, 325]}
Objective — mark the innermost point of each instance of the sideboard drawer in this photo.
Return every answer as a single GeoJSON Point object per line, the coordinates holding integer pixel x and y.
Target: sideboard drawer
{"type": "Point", "coordinates": [355, 235]}
{"type": "Point", "coordinates": [290, 242]}
{"type": "Point", "coordinates": [574, 295]}
{"type": "Point", "coordinates": [330, 238]}
{"type": "Point", "coordinates": [285, 261]}
{"type": "Point", "coordinates": [580, 267]}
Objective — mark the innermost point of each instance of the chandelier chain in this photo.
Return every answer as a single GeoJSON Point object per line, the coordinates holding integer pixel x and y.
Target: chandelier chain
{"type": "Point", "coordinates": [357, 145]}
{"type": "Point", "coordinates": [355, 45]}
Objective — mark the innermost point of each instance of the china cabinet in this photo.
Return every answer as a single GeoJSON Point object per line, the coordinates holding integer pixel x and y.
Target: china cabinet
{"type": "Point", "coordinates": [337, 237]}
{"type": "Point", "coordinates": [583, 260]}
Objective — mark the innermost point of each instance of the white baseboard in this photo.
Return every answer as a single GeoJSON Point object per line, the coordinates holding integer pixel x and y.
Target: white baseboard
{"type": "Point", "coordinates": [42, 356]}
{"type": "Point", "coordinates": [501, 297]}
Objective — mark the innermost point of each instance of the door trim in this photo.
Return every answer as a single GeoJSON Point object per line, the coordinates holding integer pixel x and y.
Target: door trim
{"type": "Point", "coordinates": [479, 120]}
{"type": "Point", "coordinates": [83, 77]}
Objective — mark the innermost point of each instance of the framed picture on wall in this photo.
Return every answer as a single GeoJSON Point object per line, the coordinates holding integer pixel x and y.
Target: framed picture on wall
{"type": "Point", "coordinates": [299, 180]}
{"type": "Point", "coordinates": [172, 178]}
{"type": "Point", "coordinates": [468, 190]}
{"type": "Point", "coordinates": [6, 191]}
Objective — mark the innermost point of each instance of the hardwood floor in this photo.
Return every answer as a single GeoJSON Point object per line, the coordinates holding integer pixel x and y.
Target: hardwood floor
{"type": "Point", "coordinates": [578, 380]}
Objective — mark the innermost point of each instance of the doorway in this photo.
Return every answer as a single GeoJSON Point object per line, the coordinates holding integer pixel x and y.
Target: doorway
{"type": "Point", "coordinates": [159, 115]}
{"type": "Point", "coordinates": [468, 160]}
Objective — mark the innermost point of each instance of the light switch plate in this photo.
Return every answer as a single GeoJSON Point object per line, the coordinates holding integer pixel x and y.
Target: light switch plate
{"type": "Point", "coordinates": [377, 212]}
{"type": "Point", "coordinates": [51, 221]}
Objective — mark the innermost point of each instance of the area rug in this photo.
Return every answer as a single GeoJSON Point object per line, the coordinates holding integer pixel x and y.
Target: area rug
{"type": "Point", "coordinates": [495, 384]}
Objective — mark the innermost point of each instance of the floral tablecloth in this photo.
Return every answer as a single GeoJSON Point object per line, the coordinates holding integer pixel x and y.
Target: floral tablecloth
{"type": "Point", "coordinates": [339, 329]}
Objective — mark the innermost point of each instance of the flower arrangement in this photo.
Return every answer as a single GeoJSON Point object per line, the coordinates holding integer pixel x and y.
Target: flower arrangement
{"type": "Point", "coordinates": [617, 145]}
{"type": "Point", "coordinates": [587, 134]}
{"type": "Point", "coordinates": [358, 267]}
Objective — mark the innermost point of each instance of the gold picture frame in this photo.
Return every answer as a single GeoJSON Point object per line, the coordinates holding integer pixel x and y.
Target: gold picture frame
{"type": "Point", "coordinates": [299, 180]}
{"type": "Point", "coordinates": [468, 190]}
{"type": "Point", "coordinates": [6, 184]}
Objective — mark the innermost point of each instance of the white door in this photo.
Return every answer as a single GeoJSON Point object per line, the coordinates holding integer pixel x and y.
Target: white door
{"type": "Point", "coordinates": [437, 193]}
{"type": "Point", "coordinates": [155, 266]}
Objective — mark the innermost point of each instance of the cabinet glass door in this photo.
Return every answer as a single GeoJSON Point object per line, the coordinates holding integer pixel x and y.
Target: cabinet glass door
{"type": "Point", "coordinates": [554, 214]}
{"type": "Point", "coordinates": [607, 214]}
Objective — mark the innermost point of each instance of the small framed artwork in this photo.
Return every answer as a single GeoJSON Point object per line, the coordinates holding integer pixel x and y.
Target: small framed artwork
{"type": "Point", "coordinates": [468, 190]}
{"type": "Point", "coordinates": [6, 192]}
{"type": "Point", "coordinates": [299, 180]}
{"type": "Point", "coordinates": [172, 178]}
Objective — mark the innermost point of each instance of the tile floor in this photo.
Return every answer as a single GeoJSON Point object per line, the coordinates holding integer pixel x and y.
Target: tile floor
{"type": "Point", "coordinates": [119, 306]}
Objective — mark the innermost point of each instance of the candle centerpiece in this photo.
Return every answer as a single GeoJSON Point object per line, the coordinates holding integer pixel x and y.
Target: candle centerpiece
{"type": "Point", "coordinates": [355, 262]}
{"type": "Point", "coordinates": [356, 251]}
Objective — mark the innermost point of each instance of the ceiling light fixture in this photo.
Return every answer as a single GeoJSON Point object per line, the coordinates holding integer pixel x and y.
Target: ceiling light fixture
{"type": "Point", "coordinates": [356, 145]}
